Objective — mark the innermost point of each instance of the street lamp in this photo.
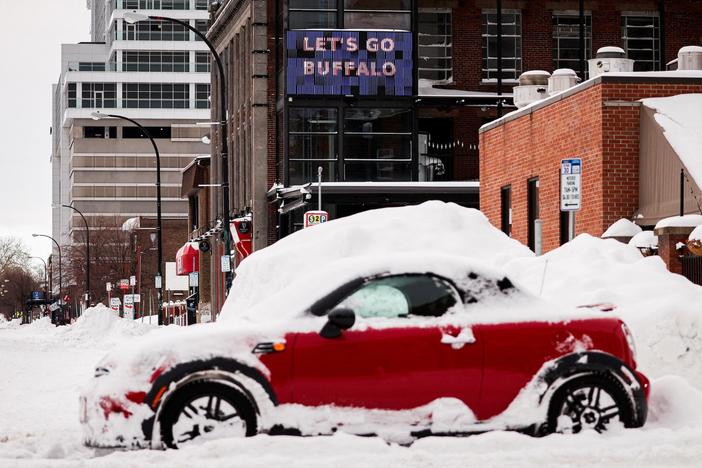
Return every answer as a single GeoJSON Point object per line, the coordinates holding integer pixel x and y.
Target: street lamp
{"type": "Point", "coordinates": [134, 17]}
{"type": "Point", "coordinates": [60, 263]}
{"type": "Point", "coordinates": [87, 254]}
{"type": "Point", "coordinates": [46, 275]}
{"type": "Point", "coordinates": [159, 275]}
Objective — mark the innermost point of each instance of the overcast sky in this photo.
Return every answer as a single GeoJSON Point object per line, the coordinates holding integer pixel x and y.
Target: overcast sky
{"type": "Point", "coordinates": [31, 41]}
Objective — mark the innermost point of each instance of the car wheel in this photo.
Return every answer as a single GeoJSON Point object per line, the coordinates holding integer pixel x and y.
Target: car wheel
{"type": "Point", "coordinates": [206, 410]}
{"type": "Point", "coordinates": [595, 402]}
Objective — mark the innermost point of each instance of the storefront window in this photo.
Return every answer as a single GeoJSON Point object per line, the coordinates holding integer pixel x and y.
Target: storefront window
{"type": "Point", "coordinates": [377, 144]}
{"type": "Point", "coordinates": [312, 142]}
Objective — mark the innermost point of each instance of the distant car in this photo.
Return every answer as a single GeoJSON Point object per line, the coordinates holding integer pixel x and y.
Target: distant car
{"type": "Point", "coordinates": [402, 353]}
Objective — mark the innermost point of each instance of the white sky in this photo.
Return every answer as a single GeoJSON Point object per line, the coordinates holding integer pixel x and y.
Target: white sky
{"type": "Point", "coordinates": [31, 39]}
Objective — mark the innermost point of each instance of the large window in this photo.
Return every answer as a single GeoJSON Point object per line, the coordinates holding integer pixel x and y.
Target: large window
{"type": "Point", "coordinates": [377, 14]}
{"type": "Point", "coordinates": [72, 95]}
{"type": "Point", "coordinates": [312, 142]}
{"type": "Point", "coordinates": [156, 95]}
{"type": "Point", "coordinates": [435, 44]}
{"type": "Point", "coordinates": [566, 39]}
{"type": "Point", "coordinates": [377, 144]}
{"type": "Point", "coordinates": [99, 95]}
{"type": "Point", "coordinates": [155, 61]}
{"type": "Point", "coordinates": [641, 37]}
{"type": "Point", "coordinates": [155, 4]}
{"type": "Point", "coordinates": [511, 44]}
{"type": "Point", "coordinates": [202, 62]}
{"type": "Point", "coordinates": [153, 31]}
{"type": "Point", "coordinates": [312, 14]}
{"type": "Point", "coordinates": [130, 132]}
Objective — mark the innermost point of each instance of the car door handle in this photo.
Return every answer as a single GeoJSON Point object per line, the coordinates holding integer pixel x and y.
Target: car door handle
{"type": "Point", "coordinates": [457, 342]}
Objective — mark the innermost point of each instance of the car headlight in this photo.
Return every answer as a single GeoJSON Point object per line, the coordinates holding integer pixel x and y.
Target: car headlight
{"type": "Point", "coordinates": [629, 339]}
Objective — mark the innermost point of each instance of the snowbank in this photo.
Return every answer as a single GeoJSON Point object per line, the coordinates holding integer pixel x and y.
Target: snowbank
{"type": "Point", "coordinates": [680, 118]}
{"type": "Point", "coordinates": [662, 309]}
{"type": "Point", "coordinates": [445, 228]}
{"type": "Point", "coordinates": [100, 324]}
{"type": "Point", "coordinates": [696, 234]}
{"type": "Point", "coordinates": [622, 228]}
{"type": "Point", "coordinates": [644, 240]}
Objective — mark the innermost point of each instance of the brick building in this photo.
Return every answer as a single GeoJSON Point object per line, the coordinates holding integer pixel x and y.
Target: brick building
{"type": "Point", "coordinates": [599, 121]}
{"type": "Point", "coordinates": [402, 127]}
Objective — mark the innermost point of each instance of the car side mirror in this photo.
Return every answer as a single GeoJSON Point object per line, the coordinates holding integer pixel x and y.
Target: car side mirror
{"type": "Point", "coordinates": [338, 320]}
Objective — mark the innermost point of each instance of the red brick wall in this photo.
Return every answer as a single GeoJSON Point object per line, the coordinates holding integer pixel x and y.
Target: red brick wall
{"type": "Point", "coordinates": [587, 125]}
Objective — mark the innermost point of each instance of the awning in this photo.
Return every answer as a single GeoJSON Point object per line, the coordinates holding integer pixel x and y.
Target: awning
{"type": "Point", "coordinates": [195, 174]}
{"type": "Point", "coordinates": [187, 260]}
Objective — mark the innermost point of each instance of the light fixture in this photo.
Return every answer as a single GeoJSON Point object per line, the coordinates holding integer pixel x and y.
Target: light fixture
{"type": "Point", "coordinates": [206, 139]}
{"type": "Point", "coordinates": [132, 17]}
{"type": "Point", "coordinates": [97, 115]}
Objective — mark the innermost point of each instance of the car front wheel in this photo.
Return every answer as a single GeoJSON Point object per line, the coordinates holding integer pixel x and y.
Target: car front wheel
{"type": "Point", "coordinates": [206, 410]}
{"type": "Point", "coordinates": [594, 402]}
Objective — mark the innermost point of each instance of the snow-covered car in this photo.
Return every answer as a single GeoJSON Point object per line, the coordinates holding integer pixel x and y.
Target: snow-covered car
{"type": "Point", "coordinates": [429, 346]}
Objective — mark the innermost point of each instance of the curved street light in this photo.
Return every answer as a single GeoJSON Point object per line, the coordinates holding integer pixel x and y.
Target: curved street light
{"type": "Point", "coordinates": [132, 17]}
{"type": "Point", "coordinates": [87, 253]}
{"type": "Point", "coordinates": [46, 274]}
{"type": "Point", "coordinates": [99, 116]}
{"type": "Point", "coordinates": [60, 263]}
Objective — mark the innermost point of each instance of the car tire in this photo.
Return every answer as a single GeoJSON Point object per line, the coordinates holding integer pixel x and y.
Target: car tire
{"type": "Point", "coordinates": [593, 401]}
{"type": "Point", "coordinates": [203, 407]}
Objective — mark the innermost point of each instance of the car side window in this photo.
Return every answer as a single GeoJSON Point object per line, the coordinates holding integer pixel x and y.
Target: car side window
{"type": "Point", "coordinates": [401, 296]}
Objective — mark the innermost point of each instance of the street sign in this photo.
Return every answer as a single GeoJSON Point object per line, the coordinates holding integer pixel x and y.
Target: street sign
{"type": "Point", "coordinates": [108, 286]}
{"type": "Point", "coordinates": [132, 281]}
{"type": "Point", "coordinates": [115, 304]}
{"type": "Point", "coordinates": [54, 307]}
{"type": "Point", "coordinates": [132, 299]}
{"type": "Point", "coordinates": [124, 284]}
{"type": "Point", "coordinates": [571, 183]}
{"type": "Point", "coordinates": [226, 263]}
{"type": "Point", "coordinates": [157, 282]}
{"type": "Point", "coordinates": [194, 279]}
{"type": "Point", "coordinates": [313, 218]}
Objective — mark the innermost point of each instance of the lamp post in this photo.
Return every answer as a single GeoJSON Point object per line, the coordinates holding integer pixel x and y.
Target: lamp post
{"type": "Point", "coordinates": [60, 263]}
{"type": "Point", "coordinates": [159, 271]}
{"type": "Point", "coordinates": [134, 17]}
{"type": "Point", "coordinates": [87, 254]}
{"type": "Point", "coordinates": [46, 275]}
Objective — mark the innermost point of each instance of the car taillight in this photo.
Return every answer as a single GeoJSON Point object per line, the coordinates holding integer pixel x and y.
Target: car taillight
{"type": "Point", "coordinates": [629, 340]}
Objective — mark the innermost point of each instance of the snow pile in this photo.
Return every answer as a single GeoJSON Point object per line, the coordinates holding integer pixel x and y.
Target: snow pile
{"type": "Point", "coordinates": [696, 235]}
{"type": "Point", "coordinates": [100, 324]}
{"type": "Point", "coordinates": [681, 120]}
{"type": "Point", "coordinates": [297, 261]}
{"type": "Point", "coordinates": [644, 240]}
{"type": "Point", "coordinates": [622, 228]}
{"type": "Point", "coordinates": [662, 309]}
{"type": "Point", "coordinates": [691, 220]}
{"type": "Point", "coordinates": [8, 324]}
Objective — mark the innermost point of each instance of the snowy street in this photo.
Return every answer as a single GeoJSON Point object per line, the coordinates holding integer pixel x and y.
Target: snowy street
{"type": "Point", "coordinates": [39, 427]}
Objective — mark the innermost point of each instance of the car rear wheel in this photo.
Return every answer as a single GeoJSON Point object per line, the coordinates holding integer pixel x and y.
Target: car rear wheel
{"type": "Point", "coordinates": [206, 410]}
{"type": "Point", "coordinates": [594, 402]}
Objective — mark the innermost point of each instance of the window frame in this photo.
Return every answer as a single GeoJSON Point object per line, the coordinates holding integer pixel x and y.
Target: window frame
{"type": "Point", "coordinates": [485, 70]}
{"type": "Point", "coordinates": [655, 40]}
{"type": "Point", "coordinates": [556, 40]}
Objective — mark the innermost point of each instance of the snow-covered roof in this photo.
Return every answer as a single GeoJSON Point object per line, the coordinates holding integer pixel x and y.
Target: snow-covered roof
{"type": "Point", "coordinates": [427, 88]}
{"type": "Point", "coordinates": [644, 240]}
{"type": "Point", "coordinates": [691, 220]}
{"type": "Point", "coordinates": [622, 228]}
{"type": "Point", "coordinates": [680, 117]}
{"type": "Point", "coordinates": [131, 224]}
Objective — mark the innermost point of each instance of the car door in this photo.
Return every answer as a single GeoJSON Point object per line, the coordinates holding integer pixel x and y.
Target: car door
{"type": "Point", "coordinates": [396, 356]}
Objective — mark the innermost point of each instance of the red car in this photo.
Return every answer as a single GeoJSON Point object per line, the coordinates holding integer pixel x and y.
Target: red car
{"type": "Point", "coordinates": [401, 355]}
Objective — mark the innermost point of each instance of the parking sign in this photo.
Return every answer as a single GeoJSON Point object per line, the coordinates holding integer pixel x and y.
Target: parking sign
{"type": "Point", "coordinates": [571, 180]}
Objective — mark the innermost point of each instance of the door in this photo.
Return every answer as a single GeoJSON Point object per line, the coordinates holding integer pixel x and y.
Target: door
{"type": "Point", "coordinates": [401, 353]}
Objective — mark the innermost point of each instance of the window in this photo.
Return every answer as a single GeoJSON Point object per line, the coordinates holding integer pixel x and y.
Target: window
{"type": "Point", "coordinates": [153, 31]}
{"type": "Point", "coordinates": [312, 14]}
{"type": "Point", "coordinates": [202, 96]}
{"type": "Point", "coordinates": [155, 132]}
{"type": "Point", "coordinates": [99, 95]}
{"type": "Point", "coordinates": [201, 4]}
{"type": "Point", "coordinates": [377, 14]}
{"type": "Point", "coordinates": [72, 95]}
{"type": "Point", "coordinates": [312, 142]}
{"type": "Point", "coordinates": [155, 61]}
{"type": "Point", "coordinates": [402, 296]}
{"type": "Point", "coordinates": [435, 44]}
{"type": "Point", "coordinates": [377, 144]}
{"type": "Point", "coordinates": [506, 210]}
{"type": "Point", "coordinates": [511, 44]}
{"type": "Point", "coordinates": [155, 4]}
{"type": "Point", "coordinates": [641, 39]}
{"type": "Point", "coordinates": [532, 210]}
{"type": "Point", "coordinates": [202, 62]}
{"type": "Point", "coordinates": [201, 26]}
{"type": "Point", "coordinates": [156, 95]}
{"type": "Point", "coordinates": [566, 40]}
{"type": "Point", "coordinates": [193, 203]}
{"type": "Point", "coordinates": [99, 132]}
{"type": "Point", "coordinates": [91, 66]}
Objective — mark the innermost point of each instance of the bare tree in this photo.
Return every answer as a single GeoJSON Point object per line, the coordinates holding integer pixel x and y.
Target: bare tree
{"type": "Point", "coordinates": [17, 277]}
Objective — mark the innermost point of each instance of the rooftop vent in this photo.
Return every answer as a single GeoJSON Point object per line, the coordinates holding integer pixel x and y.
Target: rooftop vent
{"type": "Point", "coordinates": [690, 58]}
{"type": "Point", "coordinates": [608, 60]}
{"type": "Point", "coordinates": [533, 86]}
{"type": "Point", "coordinates": [562, 79]}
